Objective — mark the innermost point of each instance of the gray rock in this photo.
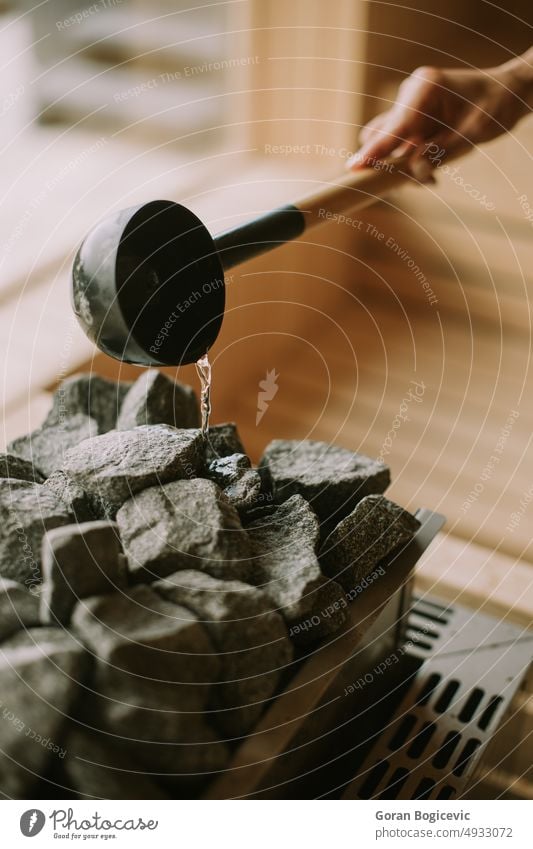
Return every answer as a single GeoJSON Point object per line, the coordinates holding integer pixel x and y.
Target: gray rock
{"type": "Point", "coordinates": [332, 479]}
{"type": "Point", "coordinates": [284, 546]}
{"type": "Point", "coordinates": [72, 494]}
{"type": "Point", "coordinates": [140, 632]}
{"type": "Point", "coordinates": [90, 395]}
{"type": "Point", "coordinates": [15, 467]}
{"type": "Point", "coordinates": [266, 481]}
{"type": "Point", "coordinates": [250, 637]}
{"type": "Point", "coordinates": [78, 561]}
{"type": "Point", "coordinates": [185, 762]}
{"type": "Point", "coordinates": [95, 768]}
{"type": "Point", "coordinates": [154, 664]}
{"type": "Point", "coordinates": [27, 511]}
{"type": "Point", "coordinates": [156, 399]}
{"type": "Point", "coordinates": [19, 608]}
{"type": "Point", "coordinates": [266, 508]}
{"type": "Point", "coordinates": [375, 527]}
{"type": "Point", "coordinates": [138, 708]}
{"type": "Point", "coordinates": [117, 465]}
{"type": "Point", "coordinates": [221, 441]}
{"type": "Point", "coordinates": [133, 708]}
{"type": "Point", "coordinates": [241, 484]}
{"type": "Point", "coordinates": [225, 471]}
{"type": "Point", "coordinates": [245, 494]}
{"type": "Point", "coordinates": [40, 674]}
{"type": "Point", "coordinates": [183, 525]}
{"type": "Point", "coordinates": [47, 446]}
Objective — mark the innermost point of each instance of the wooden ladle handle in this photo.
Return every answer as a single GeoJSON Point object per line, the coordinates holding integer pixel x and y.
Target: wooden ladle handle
{"type": "Point", "coordinates": [351, 191]}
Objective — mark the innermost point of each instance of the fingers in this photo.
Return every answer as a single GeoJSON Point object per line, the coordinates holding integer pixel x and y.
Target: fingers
{"type": "Point", "coordinates": [370, 130]}
{"type": "Point", "coordinates": [421, 168]}
{"type": "Point", "coordinates": [380, 141]}
{"type": "Point", "coordinates": [442, 146]}
{"type": "Point", "coordinates": [419, 165]}
{"type": "Point", "coordinates": [429, 154]}
{"type": "Point", "coordinates": [391, 132]}
{"type": "Point", "coordinates": [410, 116]}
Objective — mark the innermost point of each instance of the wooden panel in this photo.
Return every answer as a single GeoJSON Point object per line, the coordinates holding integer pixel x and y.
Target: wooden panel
{"type": "Point", "coordinates": [307, 87]}
{"type": "Point", "coordinates": [477, 577]}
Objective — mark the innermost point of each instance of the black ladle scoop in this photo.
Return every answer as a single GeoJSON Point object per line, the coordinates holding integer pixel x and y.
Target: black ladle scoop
{"type": "Point", "coordinates": [148, 282]}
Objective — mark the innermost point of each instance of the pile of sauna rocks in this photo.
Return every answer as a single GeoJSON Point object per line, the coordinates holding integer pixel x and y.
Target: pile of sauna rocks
{"type": "Point", "coordinates": [156, 590]}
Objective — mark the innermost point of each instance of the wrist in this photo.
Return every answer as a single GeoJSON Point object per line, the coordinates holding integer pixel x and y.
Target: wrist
{"type": "Point", "coordinates": [517, 75]}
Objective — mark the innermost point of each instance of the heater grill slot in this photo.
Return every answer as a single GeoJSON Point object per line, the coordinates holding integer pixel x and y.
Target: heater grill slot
{"type": "Point", "coordinates": [431, 604]}
{"type": "Point", "coordinates": [419, 640]}
{"type": "Point", "coordinates": [446, 750]}
{"type": "Point", "coordinates": [423, 791]}
{"type": "Point", "coordinates": [399, 738]}
{"type": "Point", "coordinates": [431, 615]}
{"type": "Point", "coordinates": [428, 689]}
{"type": "Point", "coordinates": [488, 714]}
{"type": "Point", "coordinates": [373, 779]}
{"type": "Point", "coordinates": [471, 705]}
{"type": "Point", "coordinates": [446, 792]}
{"type": "Point", "coordinates": [395, 784]}
{"type": "Point", "coordinates": [445, 699]}
{"type": "Point", "coordinates": [466, 755]}
{"type": "Point", "coordinates": [420, 742]}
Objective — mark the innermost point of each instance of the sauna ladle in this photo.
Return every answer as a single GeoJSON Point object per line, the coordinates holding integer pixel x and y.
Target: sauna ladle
{"type": "Point", "coordinates": [148, 281]}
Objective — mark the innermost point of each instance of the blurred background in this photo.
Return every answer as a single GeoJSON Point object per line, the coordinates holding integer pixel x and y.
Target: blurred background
{"type": "Point", "coordinates": [232, 108]}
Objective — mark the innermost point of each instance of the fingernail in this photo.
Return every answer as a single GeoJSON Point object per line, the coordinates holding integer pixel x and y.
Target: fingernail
{"type": "Point", "coordinates": [356, 159]}
{"type": "Point", "coordinates": [421, 169]}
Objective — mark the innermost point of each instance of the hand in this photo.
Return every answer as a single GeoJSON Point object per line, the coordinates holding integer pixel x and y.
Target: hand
{"type": "Point", "coordinates": [441, 113]}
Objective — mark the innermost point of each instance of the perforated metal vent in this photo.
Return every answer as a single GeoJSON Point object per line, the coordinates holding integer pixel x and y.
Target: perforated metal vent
{"type": "Point", "coordinates": [473, 666]}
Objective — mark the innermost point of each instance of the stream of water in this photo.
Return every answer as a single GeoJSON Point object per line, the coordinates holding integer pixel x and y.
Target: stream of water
{"type": "Point", "coordinates": [203, 367]}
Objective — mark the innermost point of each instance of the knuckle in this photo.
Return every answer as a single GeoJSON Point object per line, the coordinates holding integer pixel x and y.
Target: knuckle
{"type": "Point", "coordinates": [428, 74]}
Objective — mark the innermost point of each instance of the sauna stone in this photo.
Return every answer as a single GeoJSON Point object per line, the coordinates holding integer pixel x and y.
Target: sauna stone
{"type": "Point", "coordinates": [183, 525]}
{"type": "Point", "coordinates": [154, 664]}
{"type": "Point", "coordinates": [88, 395]}
{"type": "Point", "coordinates": [284, 549]}
{"type": "Point", "coordinates": [241, 484]}
{"type": "Point", "coordinates": [221, 441]}
{"type": "Point", "coordinates": [184, 762]}
{"type": "Point", "coordinates": [142, 633]}
{"type": "Point", "coordinates": [72, 494]}
{"type": "Point", "coordinates": [139, 708]}
{"type": "Point", "coordinates": [79, 561]}
{"type": "Point", "coordinates": [156, 399]}
{"type": "Point", "coordinates": [27, 511]}
{"type": "Point", "coordinates": [40, 675]}
{"type": "Point", "coordinates": [95, 768]}
{"type": "Point", "coordinates": [250, 637]}
{"type": "Point", "coordinates": [19, 608]}
{"type": "Point", "coordinates": [374, 528]}
{"type": "Point", "coordinates": [332, 479]}
{"type": "Point", "coordinates": [245, 494]}
{"type": "Point", "coordinates": [225, 471]}
{"type": "Point", "coordinates": [117, 465]}
{"type": "Point", "coordinates": [47, 446]}
{"type": "Point", "coordinates": [15, 467]}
